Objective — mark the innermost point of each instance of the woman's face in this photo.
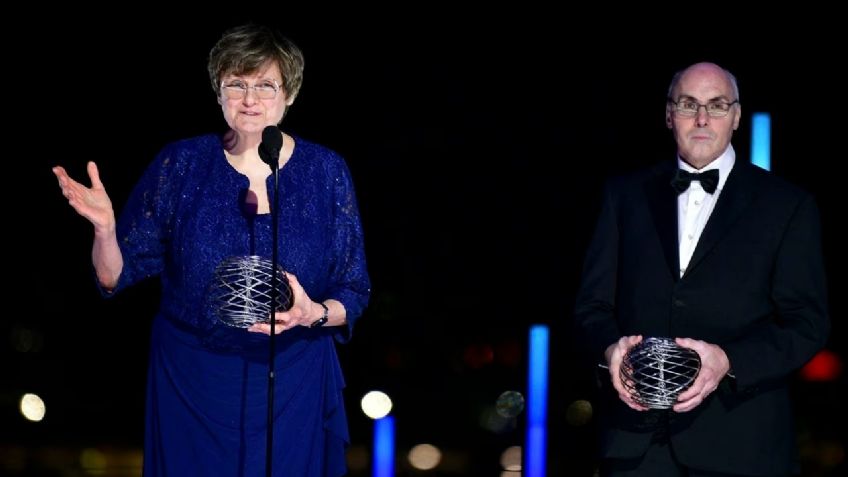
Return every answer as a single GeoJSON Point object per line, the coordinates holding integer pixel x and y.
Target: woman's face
{"type": "Point", "coordinates": [253, 101]}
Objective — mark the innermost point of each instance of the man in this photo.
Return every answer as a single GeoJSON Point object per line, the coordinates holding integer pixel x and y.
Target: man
{"type": "Point", "coordinates": [729, 263]}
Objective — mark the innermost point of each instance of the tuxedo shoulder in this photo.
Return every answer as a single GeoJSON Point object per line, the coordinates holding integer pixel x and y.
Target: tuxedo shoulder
{"type": "Point", "coordinates": [770, 183]}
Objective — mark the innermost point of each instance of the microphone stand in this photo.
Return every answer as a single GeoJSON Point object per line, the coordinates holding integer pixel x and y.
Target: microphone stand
{"type": "Point", "coordinates": [274, 163]}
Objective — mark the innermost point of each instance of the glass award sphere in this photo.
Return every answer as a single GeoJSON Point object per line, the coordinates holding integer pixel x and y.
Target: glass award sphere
{"type": "Point", "coordinates": [657, 370]}
{"type": "Point", "coordinates": [242, 289]}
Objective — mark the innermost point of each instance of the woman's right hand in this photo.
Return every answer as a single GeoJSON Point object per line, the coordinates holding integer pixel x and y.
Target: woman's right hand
{"type": "Point", "coordinates": [93, 202]}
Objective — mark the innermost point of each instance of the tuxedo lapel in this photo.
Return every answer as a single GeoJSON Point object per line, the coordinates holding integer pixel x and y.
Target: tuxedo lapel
{"type": "Point", "coordinates": [662, 201]}
{"type": "Point", "coordinates": [734, 199]}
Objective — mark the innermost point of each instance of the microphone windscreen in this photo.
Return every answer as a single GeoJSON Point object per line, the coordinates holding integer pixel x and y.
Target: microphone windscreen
{"type": "Point", "coordinates": [272, 142]}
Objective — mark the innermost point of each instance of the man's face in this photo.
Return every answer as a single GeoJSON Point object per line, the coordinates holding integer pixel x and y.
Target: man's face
{"type": "Point", "coordinates": [701, 138]}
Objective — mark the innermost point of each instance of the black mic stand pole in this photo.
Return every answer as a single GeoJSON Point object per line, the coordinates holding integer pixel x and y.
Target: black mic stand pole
{"type": "Point", "coordinates": [275, 217]}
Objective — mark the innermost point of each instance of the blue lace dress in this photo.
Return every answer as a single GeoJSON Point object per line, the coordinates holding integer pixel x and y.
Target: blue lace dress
{"type": "Point", "coordinates": [207, 384]}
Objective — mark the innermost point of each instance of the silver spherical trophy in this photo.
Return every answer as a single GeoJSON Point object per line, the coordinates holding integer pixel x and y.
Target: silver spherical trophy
{"type": "Point", "coordinates": [241, 293]}
{"type": "Point", "coordinates": [657, 370]}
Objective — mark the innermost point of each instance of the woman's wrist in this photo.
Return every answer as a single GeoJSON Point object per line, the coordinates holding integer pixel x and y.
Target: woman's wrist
{"type": "Point", "coordinates": [325, 316]}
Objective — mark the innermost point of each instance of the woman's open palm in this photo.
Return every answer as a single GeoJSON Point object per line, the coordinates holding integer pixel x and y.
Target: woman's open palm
{"type": "Point", "coordinates": [93, 202]}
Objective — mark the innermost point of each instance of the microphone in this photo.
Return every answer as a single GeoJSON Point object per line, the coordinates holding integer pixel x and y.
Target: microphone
{"type": "Point", "coordinates": [269, 148]}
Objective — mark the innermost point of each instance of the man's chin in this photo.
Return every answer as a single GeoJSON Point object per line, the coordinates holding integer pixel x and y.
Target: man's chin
{"type": "Point", "coordinates": [700, 157]}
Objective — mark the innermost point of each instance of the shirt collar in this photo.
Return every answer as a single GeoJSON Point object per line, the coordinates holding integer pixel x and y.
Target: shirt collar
{"type": "Point", "coordinates": [724, 163]}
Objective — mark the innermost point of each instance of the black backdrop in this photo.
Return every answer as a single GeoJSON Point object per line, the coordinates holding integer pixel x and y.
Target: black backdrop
{"type": "Point", "coordinates": [478, 150]}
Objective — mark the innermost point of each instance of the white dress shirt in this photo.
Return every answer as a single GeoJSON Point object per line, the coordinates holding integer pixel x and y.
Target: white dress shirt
{"type": "Point", "coordinates": [695, 205]}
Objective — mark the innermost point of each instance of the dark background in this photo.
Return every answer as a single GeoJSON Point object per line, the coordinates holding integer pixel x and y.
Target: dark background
{"type": "Point", "coordinates": [478, 149]}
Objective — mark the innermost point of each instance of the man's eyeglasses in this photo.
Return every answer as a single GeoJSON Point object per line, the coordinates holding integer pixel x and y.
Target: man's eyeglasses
{"type": "Point", "coordinates": [237, 89]}
{"type": "Point", "coordinates": [688, 108]}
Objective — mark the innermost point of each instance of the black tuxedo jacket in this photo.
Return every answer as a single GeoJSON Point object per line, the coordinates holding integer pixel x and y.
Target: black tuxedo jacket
{"type": "Point", "coordinates": [755, 286]}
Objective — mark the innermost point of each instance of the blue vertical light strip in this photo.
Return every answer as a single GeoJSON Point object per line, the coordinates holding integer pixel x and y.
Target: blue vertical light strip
{"type": "Point", "coordinates": [537, 403]}
{"type": "Point", "coordinates": [384, 447]}
{"type": "Point", "coordinates": [761, 140]}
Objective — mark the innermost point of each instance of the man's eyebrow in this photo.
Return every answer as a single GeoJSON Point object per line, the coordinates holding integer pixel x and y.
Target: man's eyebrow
{"type": "Point", "coordinates": [716, 98]}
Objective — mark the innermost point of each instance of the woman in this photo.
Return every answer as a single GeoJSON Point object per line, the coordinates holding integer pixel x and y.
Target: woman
{"type": "Point", "coordinates": [203, 202]}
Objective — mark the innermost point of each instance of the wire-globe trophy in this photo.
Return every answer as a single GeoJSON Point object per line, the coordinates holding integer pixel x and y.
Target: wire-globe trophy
{"type": "Point", "coordinates": [241, 292]}
{"type": "Point", "coordinates": [657, 370]}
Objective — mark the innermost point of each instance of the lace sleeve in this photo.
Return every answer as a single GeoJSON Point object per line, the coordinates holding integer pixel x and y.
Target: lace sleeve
{"type": "Point", "coordinates": [350, 283]}
{"type": "Point", "coordinates": [145, 222]}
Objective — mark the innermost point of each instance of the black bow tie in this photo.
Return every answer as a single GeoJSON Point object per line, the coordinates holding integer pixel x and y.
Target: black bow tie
{"type": "Point", "coordinates": [708, 180]}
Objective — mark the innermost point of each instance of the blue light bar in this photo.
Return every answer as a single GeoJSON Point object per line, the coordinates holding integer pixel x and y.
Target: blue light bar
{"type": "Point", "coordinates": [537, 403]}
{"type": "Point", "coordinates": [384, 447]}
{"type": "Point", "coordinates": [761, 140]}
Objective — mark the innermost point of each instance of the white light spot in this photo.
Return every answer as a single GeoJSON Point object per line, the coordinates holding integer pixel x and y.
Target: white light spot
{"type": "Point", "coordinates": [32, 407]}
{"type": "Point", "coordinates": [424, 457]}
{"type": "Point", "coordinates": [376, 405]}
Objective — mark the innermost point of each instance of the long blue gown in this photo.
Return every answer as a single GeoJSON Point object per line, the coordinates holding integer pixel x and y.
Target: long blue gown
{"type": "Point", "coordinates": [207, 384]}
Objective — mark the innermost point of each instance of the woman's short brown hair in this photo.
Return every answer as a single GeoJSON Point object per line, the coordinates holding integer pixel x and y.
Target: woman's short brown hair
{"type": "Point", "coordinates": [246, 48]}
